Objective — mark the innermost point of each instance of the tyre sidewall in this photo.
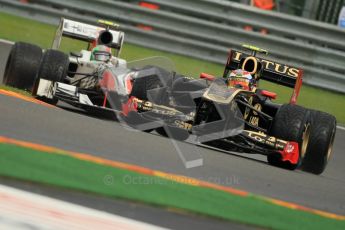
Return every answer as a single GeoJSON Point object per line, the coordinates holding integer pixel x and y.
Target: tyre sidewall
{"type": "Point", "coordinates": [323, 128]}
{"type": "Point", "coordinates": [54, 66]}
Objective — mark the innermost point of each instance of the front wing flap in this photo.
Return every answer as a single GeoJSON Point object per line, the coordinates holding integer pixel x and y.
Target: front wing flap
{"type": "Point", "coordinates": [288, 150]}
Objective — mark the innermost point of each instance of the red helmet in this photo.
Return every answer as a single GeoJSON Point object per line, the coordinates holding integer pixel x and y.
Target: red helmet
{"type": "Point", "coordinates": [240, 79]}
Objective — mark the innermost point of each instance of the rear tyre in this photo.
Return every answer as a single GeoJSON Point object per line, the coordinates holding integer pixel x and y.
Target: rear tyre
{"type": "Point", "coordinates": [142, 85]}
{"type": "Point", "coordinates": [54, 68]}
{"type": "Point", "coordinates": [319, 151]}
{"type": "Point", "coordinates": [291, 123]}
{"type": "Point", "coordinates": [22, 66]}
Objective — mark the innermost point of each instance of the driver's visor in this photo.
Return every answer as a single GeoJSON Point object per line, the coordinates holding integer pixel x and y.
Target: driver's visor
{"type": "Point", "coordinates": [102, 56]}
{"type": "Point", "coordinates": [240, 83]}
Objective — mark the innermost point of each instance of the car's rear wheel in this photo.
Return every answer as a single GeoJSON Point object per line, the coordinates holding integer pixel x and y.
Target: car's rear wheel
{"type": "Point", "coordinates": [322, 133]}
{"type": "Point", "coordinates": [53, 67]}
{"type": "Point", "coordinates": [142, 85]}
{"type": "Point", "coordinates": [22, 66]}
{"type": "Point", "coordinates": [291, 123]}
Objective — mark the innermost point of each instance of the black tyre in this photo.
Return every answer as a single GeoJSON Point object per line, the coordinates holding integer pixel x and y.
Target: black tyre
{"type": "Point", "coordinates": [22, 66]}
{"type": "Point", "coordinates": [291, 123]}
{"type": "Point", "coordinates": [322, 133]}
{"type": "Point", "coordinates": [143, 84]}
{"type": "Point", "coordinates": [54, 66]}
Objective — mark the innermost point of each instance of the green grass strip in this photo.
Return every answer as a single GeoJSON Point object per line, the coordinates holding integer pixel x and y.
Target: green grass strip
{"type": "Point", "coordinates": [9, 88]}
{"type": "Point", "coordinates": [21, 29]}
{"type": "Point", "coordinates": [68, 172]}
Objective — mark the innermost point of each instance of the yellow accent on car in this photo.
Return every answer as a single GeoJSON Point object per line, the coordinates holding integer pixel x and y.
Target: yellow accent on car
{"type": "Point", "coordinates": [255, 48]}
{"type": "Point", "coordinates": [108, 23]}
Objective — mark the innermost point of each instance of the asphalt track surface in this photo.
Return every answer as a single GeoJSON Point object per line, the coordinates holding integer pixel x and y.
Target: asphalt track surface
{"type": "Point", "coordinates": [75, 131]}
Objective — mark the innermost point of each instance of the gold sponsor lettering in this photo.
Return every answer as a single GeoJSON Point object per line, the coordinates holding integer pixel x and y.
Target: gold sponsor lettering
{"type": "Point", "coordinates": [145, 108]}
{"type": "Point", "coordinates": [256, 137]}
{"type": "Point", "coordinates": [268, 63]}
{"type": "Point", "coordinates": [272, 139]}
{"type": "Point", "coordinates": [279, 70]}
{"type": "Point", "coordinates": [259, 139]}
{"type": "Point", "coordinates": [273, 66]}
{"type": "Point", "coordinates": [238, 56]}
{"type": "Point", "coordinates": [147, 104]}
{"type": "Point", "coordinates": [267, 140]}
{"type": "Point", "coordinates": [269, 143]}
{"type": "Point", "coordinates": [183, 125]}
{"type": "Point", "coordinates": [293, 72]}
{"type": "Point", "coordinates": [246, 112]}
{"type": "Point", "coordinates": [250, 133]}
{"type": "Point", "coordinates": [163, 112]}
{"type": "Point", "coordinates": [254, 121]}
{"type": "Point", "coordinates": [258, 107]}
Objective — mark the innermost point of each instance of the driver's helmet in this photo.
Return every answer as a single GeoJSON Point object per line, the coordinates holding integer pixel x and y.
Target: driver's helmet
{"type": "Point", "coordinates": [101, 53]}
{"type": "Point", "coordinates": [240, 79]}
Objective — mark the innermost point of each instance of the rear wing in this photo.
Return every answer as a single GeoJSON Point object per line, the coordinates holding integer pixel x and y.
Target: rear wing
{"type": "Point", "coordinates": [88, 33]}
{"type": "Point", "coordinates": [270, 71]}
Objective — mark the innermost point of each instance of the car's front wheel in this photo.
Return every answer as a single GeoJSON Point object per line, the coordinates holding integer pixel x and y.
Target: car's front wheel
{"type": "Point", "coordinates": [291, 123]}
{"type": "Point", "coordinates": [53, 67]}
{"type": "Point", "coordinates": [322, 133]}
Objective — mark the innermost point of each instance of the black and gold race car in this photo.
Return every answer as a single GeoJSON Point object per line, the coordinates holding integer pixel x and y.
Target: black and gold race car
{"type": "Point", "coordinates": [291, 136]}
{"type": "Point", "coordinates": [233, 113]}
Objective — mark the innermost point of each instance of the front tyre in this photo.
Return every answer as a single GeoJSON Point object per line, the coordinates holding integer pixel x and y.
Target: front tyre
{"type": "Point", "coordinates": [319, 151]}
{"type": "Point", "coordinates": [54, 68]}
{"type": "Point", "coordinates": [291, 123]}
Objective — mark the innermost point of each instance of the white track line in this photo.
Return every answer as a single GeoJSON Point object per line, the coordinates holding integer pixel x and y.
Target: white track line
{"type": "Point", "coordinates": [341, 127]}
{"type": "Point", "coordinates": [6, 42]}
{"type": "Point", "coordinates": [24, 210]}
